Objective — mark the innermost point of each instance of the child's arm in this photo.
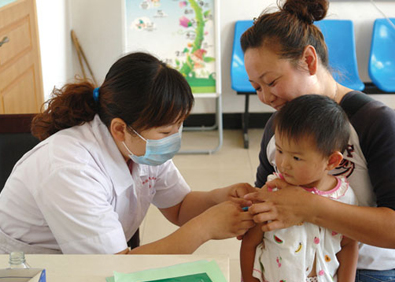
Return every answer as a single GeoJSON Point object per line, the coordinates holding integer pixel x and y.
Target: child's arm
{"type": "Point", "coordinates": [348, 258]}
{"type": "Point", "coordinates": [249, 243]}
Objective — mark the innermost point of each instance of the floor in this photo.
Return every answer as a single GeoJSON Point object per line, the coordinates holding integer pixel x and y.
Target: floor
{"type": "Point", "coordinates": [230, 164]}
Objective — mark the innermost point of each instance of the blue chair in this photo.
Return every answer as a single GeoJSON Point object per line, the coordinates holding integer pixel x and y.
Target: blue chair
{"type": "Point", "coordinates": [340, 40]}
{"type": "Point", "coordinates": [238, 74]}
{"type": "Point", "coordinates": [382, 55]}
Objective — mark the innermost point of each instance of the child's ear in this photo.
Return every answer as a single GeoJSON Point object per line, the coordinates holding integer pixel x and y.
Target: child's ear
{"type": "Point", "coordinates": [334, 160]}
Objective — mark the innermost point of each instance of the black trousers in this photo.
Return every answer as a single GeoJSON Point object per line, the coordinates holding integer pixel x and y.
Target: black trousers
{"type": "Point", "coordinates": [134, 242]}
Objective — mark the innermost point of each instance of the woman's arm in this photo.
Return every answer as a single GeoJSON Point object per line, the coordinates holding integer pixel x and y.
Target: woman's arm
{"type": "Point", "coordinates": [249, 244]}
{"type": "Point", "coordinates": [197, 202]}
{"type": "Point", "coordinates": [291, 205]}
{"type": "Point", "coordinates": [222, 221]}
{"type": "Point", "coordinates": [348, 259]}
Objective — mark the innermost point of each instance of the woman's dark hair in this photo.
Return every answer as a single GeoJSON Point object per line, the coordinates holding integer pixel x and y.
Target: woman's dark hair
{"type": "Point", "coordinates": [141, 90]}
{"type": "Point", "coordinates": [314, 116]}
{"type": "Point", "coordinates": [288, 31]}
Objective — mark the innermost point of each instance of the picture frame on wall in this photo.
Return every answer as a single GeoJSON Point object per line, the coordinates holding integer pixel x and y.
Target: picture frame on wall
{"type": "Point", "coordinates": [182, 33]}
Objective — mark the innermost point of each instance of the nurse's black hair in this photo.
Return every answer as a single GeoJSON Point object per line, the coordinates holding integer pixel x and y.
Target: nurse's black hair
{"type": "Point", "coordinates": [140, 89]}
{"type": "Point", "coordinates": [317, 117]}
{"type": "Point", "coordinates": [289, 30]}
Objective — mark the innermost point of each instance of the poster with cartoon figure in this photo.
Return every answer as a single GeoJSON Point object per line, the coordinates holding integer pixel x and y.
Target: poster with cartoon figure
{"type": "Point", "coordinates": [180, 33]}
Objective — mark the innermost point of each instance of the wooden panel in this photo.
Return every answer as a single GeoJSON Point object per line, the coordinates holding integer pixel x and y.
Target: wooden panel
{"type": "Point", "coordinates": [19, 41]}
{"type": "Point", "coordinates": [11, 72]}
{"type": "Point", "coordinates": [20, 97]}
{"type": "Point", "coordinates": [1, 105]}
{"type": "Point", "coordinates": [14, 11]}
{"type": "Point", "coordinates": [21, 89]}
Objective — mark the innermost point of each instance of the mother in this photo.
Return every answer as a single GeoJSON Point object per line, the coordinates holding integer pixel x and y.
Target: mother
{"type": "Point", "coordinates": [286, 57]}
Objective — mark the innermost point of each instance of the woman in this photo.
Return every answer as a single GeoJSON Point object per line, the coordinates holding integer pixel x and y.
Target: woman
{"type": "Point", "coordinates": [286, 57]}
{"type": "Point", "coordinates": [105, 157]}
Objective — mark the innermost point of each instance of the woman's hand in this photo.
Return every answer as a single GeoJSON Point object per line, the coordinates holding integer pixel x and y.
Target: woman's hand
{"type": "Point", "coordinates": [279, 209]}
{"type": "Point", "coordinates": [226, 220]}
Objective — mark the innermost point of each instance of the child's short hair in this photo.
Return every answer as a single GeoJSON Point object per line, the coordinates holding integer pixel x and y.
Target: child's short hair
{"type": "Point", "coordinates": [315, 116]}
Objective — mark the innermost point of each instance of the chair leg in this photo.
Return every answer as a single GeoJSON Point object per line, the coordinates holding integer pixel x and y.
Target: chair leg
{"type": "Point", "coordinates": [245, 120]}
{"type": "Point", "coordinates": [218, 125]}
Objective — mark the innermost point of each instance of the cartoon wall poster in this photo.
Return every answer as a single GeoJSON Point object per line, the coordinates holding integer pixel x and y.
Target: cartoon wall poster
{"type": "Point", "coordinates": [180, 32]}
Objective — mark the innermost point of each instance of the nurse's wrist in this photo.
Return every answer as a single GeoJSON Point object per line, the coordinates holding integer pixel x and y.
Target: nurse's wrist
{"type": "Point", "coordinates": [199, 228]}
{"type": "Point", "coordinates": [218, 195]}
{"type": "Point", "coordinates": [234, 191]}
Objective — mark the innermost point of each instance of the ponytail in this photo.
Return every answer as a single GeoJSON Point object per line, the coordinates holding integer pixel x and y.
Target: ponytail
{"type": "Point", "coordinates": [71, 105]}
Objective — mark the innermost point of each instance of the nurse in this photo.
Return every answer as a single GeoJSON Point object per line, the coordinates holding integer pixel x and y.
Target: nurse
{"type": "Point", "coordinates": [105, 156]}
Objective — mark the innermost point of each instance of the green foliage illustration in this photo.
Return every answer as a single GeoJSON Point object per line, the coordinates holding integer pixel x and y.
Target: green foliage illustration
{"type": "Point", "coordinates": [195, 53]}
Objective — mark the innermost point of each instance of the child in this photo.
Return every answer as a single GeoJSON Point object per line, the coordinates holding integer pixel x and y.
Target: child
{"type": "Point", "coordinates": [311, 131]}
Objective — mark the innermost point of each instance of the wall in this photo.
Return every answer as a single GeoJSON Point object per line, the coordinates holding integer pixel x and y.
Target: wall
{"type": "Point", "coordinates": [54, 33]}
{"type": "Point", "coordinates": [98, 25]}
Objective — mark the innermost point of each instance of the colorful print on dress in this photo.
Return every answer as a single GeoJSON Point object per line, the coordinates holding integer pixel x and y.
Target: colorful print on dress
{"type": "Point", "coordinates": [277, 239]}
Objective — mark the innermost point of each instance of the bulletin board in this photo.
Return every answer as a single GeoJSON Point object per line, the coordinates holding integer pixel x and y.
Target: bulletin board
{"type": "Point", "coordinates": [182, 33]}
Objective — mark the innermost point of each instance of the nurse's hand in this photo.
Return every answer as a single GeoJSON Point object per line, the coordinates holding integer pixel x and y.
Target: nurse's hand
{"type": "Point", "coordinates": [235, 193]}
{"type": "Point", "coordinates": [222, 221]}
{"type": "Point", "coordinates": [239, 190]}
{"type": "Point", "coordinates": [289, 206]}
{"type": "Point", "coordinates": [226, 220]}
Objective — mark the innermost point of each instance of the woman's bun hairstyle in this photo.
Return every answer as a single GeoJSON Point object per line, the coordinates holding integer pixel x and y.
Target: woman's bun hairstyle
{"type": "Point", "coordinates": [289, 30]}
{"type": "Point", "coordinates": [308, 11]}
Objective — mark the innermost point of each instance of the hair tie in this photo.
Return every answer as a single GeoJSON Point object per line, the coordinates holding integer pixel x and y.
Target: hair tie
{"type": "Point", "coordinates": [96, 94]}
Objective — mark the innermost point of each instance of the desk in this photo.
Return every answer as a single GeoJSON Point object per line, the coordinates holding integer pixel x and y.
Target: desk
{"type": "Point", "coordinates": [95, 268]}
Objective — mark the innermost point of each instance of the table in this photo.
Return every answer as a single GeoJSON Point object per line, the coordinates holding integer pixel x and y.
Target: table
{"type": "Point", "coordinates": [89, 268]}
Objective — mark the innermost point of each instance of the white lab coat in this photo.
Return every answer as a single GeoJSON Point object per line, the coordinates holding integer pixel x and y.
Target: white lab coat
{"type": "Point", "coordinates": [74, 193]}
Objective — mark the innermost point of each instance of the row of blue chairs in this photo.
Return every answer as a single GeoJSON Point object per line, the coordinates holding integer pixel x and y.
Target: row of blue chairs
{"type": "Point", "coordinates": [340, 39]}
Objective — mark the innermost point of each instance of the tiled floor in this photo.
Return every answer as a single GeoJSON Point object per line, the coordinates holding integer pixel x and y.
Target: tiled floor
{"type": "Point", "coordinates": [231, 164]}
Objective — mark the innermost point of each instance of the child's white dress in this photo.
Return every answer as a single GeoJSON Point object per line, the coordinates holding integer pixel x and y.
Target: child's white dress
{"type": "Point", "coordinates": [288, 254]}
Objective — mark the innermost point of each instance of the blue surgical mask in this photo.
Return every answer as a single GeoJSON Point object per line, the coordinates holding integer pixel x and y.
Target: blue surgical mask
{"type": "Point", "coordinates": [159, 151]}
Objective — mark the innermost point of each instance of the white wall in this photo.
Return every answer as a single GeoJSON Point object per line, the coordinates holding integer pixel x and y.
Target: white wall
{"type": "Point", "coordinates": [98, 26]}
{"type": "Point", "coordinates": [54, 34]}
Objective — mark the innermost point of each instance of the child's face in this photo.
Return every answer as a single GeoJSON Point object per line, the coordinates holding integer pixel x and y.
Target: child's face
{"type": "Point", "coordinates": [300, 163]}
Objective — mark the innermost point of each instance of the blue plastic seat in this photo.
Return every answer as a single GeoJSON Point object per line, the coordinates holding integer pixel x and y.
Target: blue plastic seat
{"type": "Point", "coordinates": [238, 74]}
{"type": "Point", "coordinates": [382, 55]}
{"type": "Point", "coordinates": [340, 40]}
